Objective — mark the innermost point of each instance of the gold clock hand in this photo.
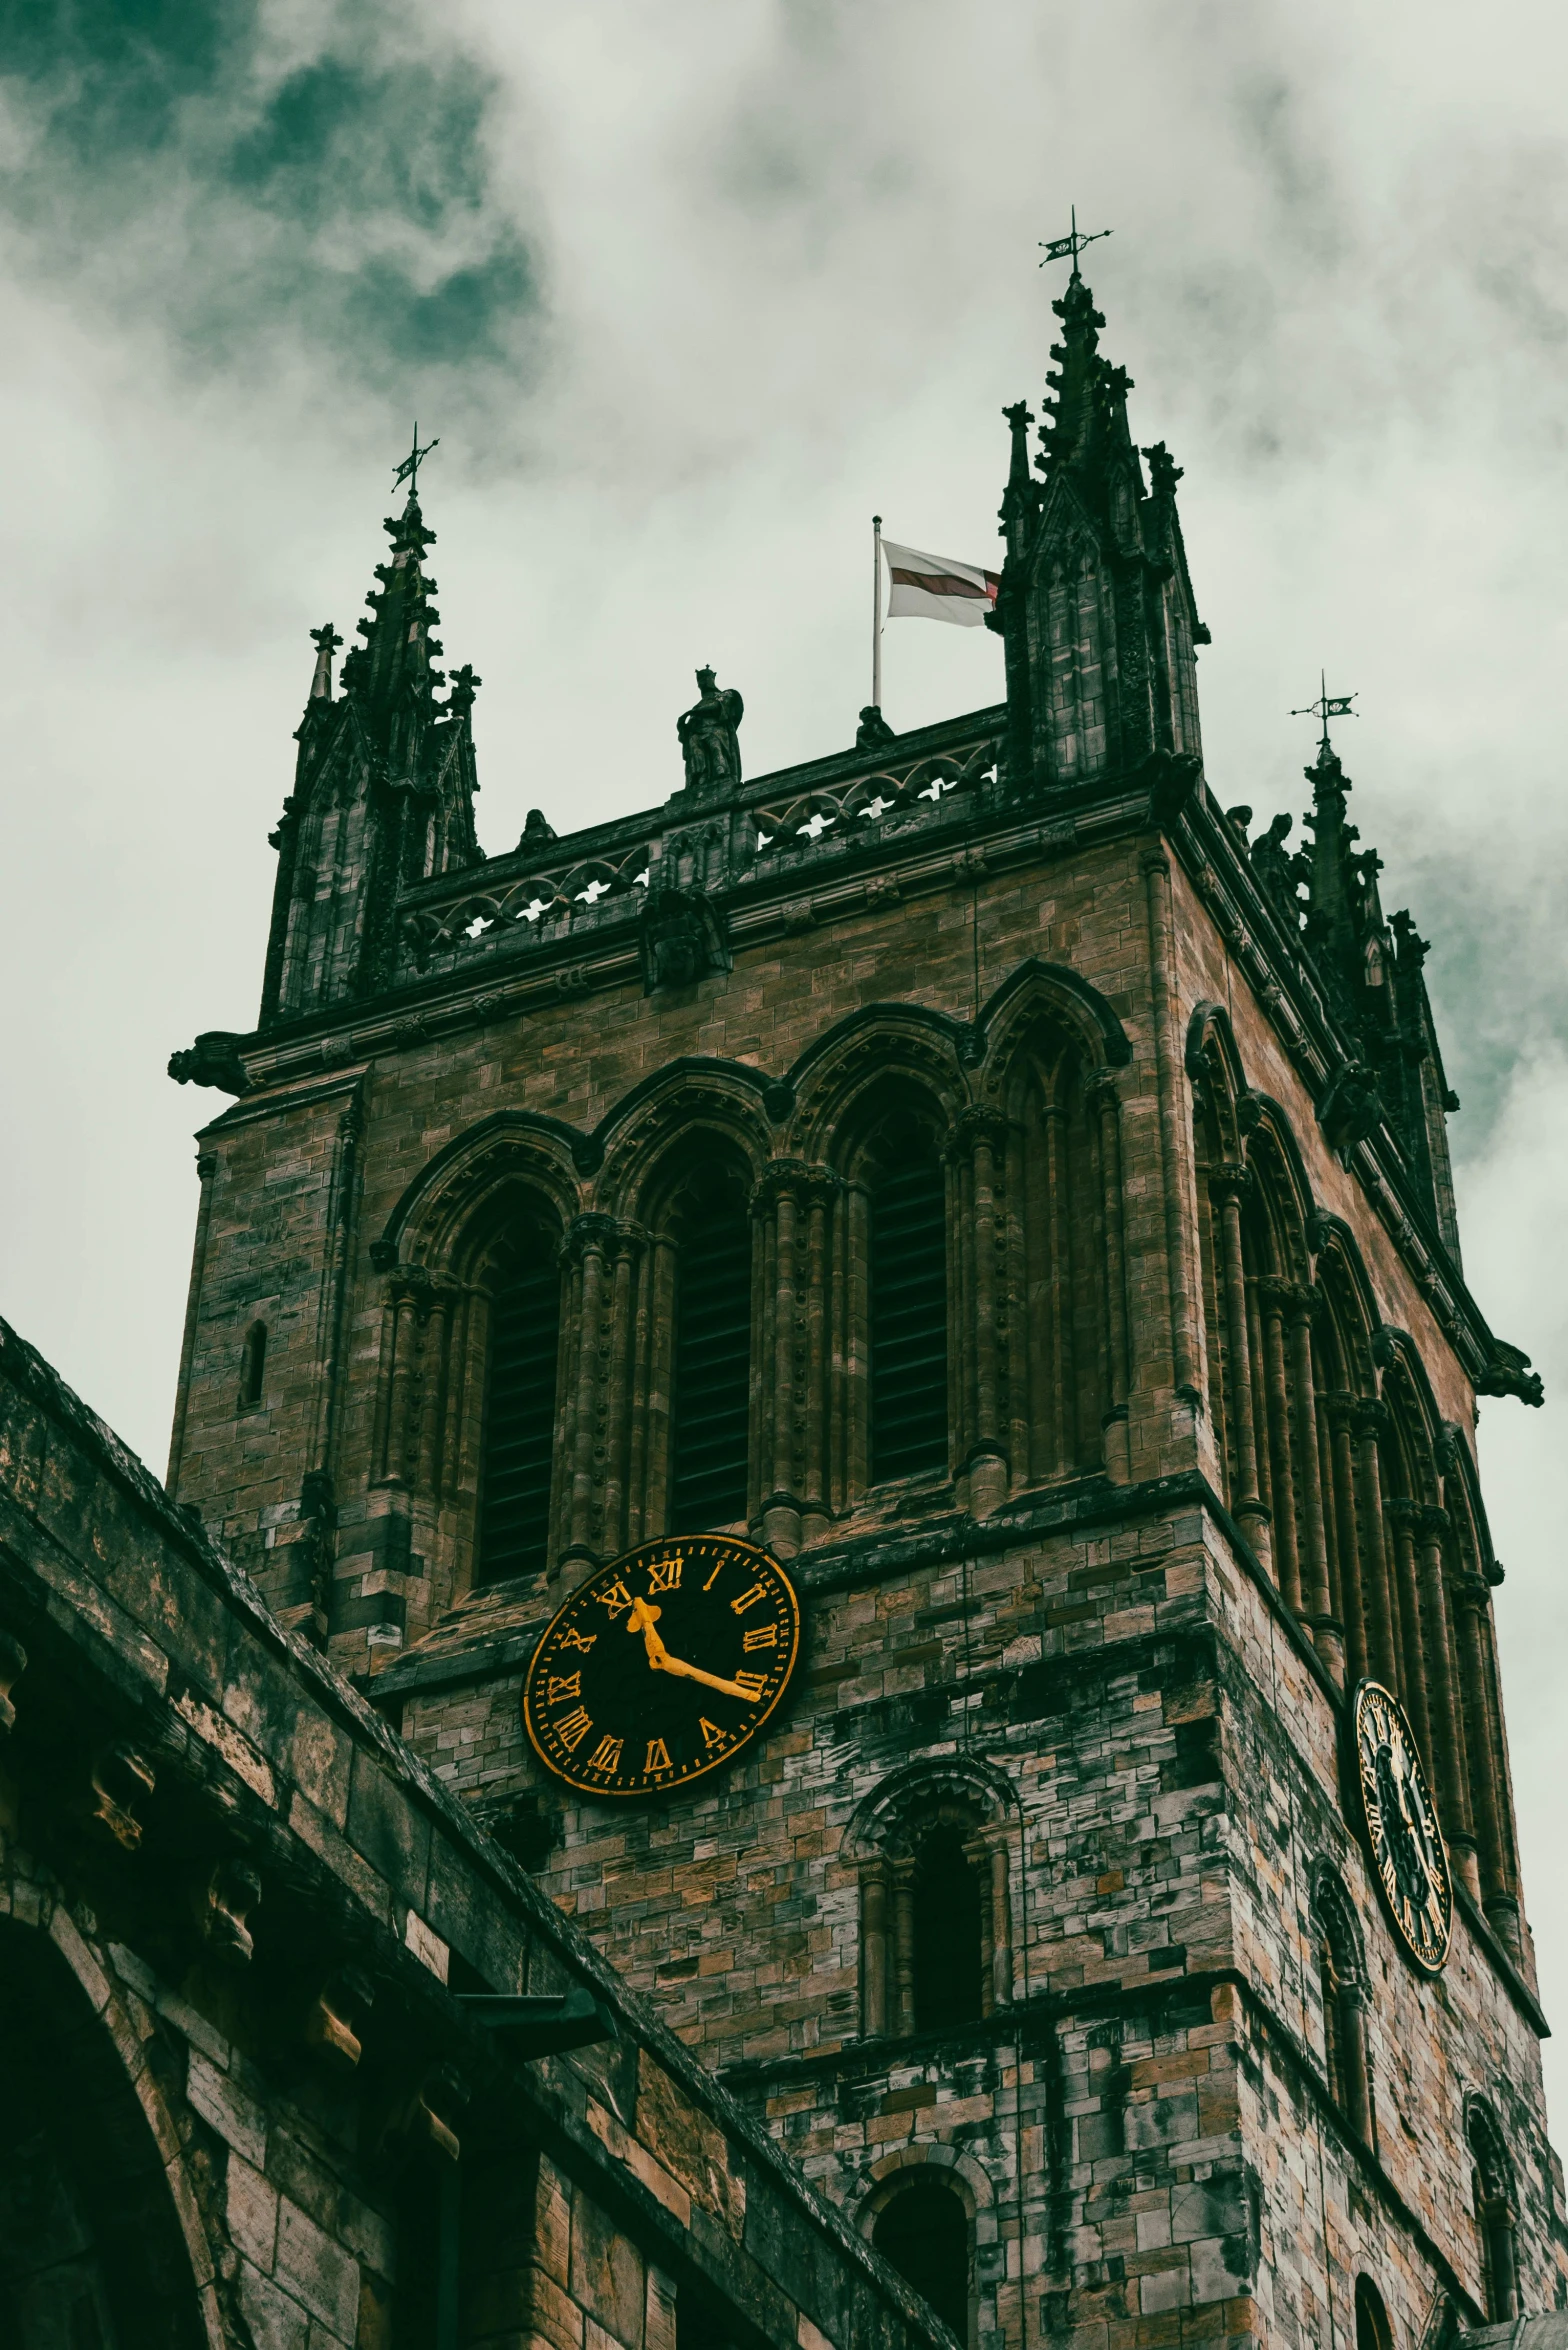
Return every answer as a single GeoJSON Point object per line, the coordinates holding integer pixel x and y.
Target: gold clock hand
{"type": "Point", "coordinates": [659, 1657]}
{"type": "Point", "coordinates": [686, 1672]}
{"type": "Point", "coordinates": [641, 1620]}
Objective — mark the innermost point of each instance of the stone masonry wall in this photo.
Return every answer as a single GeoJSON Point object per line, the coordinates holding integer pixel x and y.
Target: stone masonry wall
{"type": "Point", "coordinates": [241, 1924]}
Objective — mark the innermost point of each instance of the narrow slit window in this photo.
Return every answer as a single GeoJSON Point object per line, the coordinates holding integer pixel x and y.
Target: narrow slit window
{"type": "Point", "coordinates": [525, 1329]}
{"type": "Point", "coordinates": [908, 1253]}
{"type": "Point", "coordinates": [253, 1366]}
{"type": "Point", "coordinates": [948, 1934]}
{"type": "Point", "coordinates": [712, 1401]}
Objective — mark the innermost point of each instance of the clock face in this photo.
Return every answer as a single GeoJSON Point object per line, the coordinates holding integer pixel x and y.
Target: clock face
{"type": "Point", "coordinates": [1407, 1845]}
{"type": "Point", "coordinates": [662, 1666]}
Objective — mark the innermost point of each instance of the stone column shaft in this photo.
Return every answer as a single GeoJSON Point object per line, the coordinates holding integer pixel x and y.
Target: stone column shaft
{"type": "Point", "coordinates": [1249, 1508]}
{"type": "Point", "coordinates": [1449, 1766]}
{"type": "Point", "coordinates": [1180, 1219]}
{"type": "Point", "coordinates": [1350, 1576]}
{"type": "Point", "coordinates": [1118, 1368]}
{"type": "Point", "coordinates": [1283, 1483]}
{"type": "Point", "coordinates": [1377, 1592]}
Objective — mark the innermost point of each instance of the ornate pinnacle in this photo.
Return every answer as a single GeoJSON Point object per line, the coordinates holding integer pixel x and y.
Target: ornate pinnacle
{"type": "Point", "coordinates": [326, 641]}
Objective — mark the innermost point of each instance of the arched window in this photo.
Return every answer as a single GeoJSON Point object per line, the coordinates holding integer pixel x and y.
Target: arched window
{"type": "Point", "coordinates": [908, 1300]}
{"type": "Point", "coordinates": [936, 1947]}
{"type": "Point", "coordinates": [253, 1366]}
{"type": "Point", "coordinates": [525, 1329]}
{"type": "Point", "coordinates": [1343, 1983]}
{"type": "Point", "coordinates": [711, 1404]}
{"type": "Point", "coordinates": [949, 1933]}
{"type": "Point", "coordinates": [924, 2233]}
{"type": "Point", "coordinates": [1492, 2186]}
{"type": "Point", "coordinates": [1373, 2331]}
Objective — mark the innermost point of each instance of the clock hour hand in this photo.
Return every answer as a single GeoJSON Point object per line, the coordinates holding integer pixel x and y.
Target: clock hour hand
{"type": "Point", "coordinates": [641, 1620]}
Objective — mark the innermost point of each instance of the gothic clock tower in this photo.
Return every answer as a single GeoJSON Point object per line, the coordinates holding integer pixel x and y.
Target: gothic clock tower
{"type": "Point", "coordinates": [973, 1209]}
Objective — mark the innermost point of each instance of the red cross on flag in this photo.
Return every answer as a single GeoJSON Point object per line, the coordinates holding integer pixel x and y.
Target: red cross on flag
{"type": "Point", "coordinates": [931, 587]}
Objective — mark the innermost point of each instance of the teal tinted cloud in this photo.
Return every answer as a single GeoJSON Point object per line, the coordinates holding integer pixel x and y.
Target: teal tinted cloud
{"type": "Point", "coordinates": [184, 156]}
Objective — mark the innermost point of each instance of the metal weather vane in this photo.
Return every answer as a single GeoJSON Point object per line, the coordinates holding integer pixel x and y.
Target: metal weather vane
{"type": "Point", "coordinates": [409, 469]}
{"type": "Point", "coordinates": [1060, 248]}
{"type": "Point", "coordinates": [1327, 705]}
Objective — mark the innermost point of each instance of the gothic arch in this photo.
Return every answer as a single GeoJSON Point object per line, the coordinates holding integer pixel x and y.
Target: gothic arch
{"type": "Point", "coordinates": [1066, 1363]}
{"type": "Point", "coordinates": [1351, 1315]}
{"type": "Point", "coordinates": [914, 1035]}
{"type": "Point", "coordinates": [490, 1210]}
{"type": "Point", "coordinates": [882, 1052]}
{"type": "Point", "coordinates": [1060, 993]}
{"type": "Point", "coordinates": [674, 1111]}
{"type": "Point", "coordinates": [1342, 1977]}
{"type": "Point", "coordinates": [511, 1147]}
{"type": "Point", "coordinates": [1218, 1080]}
{"type": "Point", "coordinates": [92, 2134]}
{"type": "Point", "coordinates": [1496, 2200]}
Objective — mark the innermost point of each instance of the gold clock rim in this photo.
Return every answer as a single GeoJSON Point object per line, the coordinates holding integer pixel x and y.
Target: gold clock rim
{"type": "Point", "coordinates": [1428, 1966]}
{"type": "Point", "coordinates": [605, 1794]}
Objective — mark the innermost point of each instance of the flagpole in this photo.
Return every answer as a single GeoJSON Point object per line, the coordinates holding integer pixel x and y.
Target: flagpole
{"type": "Point", "coordinates": [876, 611]}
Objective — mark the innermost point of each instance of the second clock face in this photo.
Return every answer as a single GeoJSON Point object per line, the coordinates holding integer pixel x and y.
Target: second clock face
{"type": "Point", "coordinates": [663, 1666]}
{"type": "Point", "coordinates": [1406, 1841]}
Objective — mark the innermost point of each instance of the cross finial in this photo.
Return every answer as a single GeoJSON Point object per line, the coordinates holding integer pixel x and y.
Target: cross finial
{"type": "Point", "coordinates": [409, 469]}
{"type": "Point", "coordinates": [1059, 248]}
{"type": "Point", "coordinates": [1327, 706]}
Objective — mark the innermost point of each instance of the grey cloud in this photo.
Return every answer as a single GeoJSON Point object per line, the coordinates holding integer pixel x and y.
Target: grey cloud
{"type": "Point", "coordinates": [177, 155]}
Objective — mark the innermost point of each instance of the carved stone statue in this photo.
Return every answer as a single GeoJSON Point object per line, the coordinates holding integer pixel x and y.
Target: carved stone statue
{"type": "Point", "coordinates": [1275, 867]}
{"type": "Point", "coordinates": [709, 739]}
{"type": "Point", "coordinates": [873, 730]}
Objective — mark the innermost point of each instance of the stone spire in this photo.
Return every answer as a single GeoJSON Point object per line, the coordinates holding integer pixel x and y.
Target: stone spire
{"type": "Point", "coordinates": [1371, 969]}
{"type": "Point", "coordinates": [383, 790]}
{"type": "Point", "coordinates": [1096, 607]}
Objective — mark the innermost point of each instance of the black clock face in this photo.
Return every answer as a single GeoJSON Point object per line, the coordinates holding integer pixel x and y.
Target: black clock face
{"type": "Point", "coordinates": [663, 1666]}
{"type": "Point", "coordinates": [1407, 1845]}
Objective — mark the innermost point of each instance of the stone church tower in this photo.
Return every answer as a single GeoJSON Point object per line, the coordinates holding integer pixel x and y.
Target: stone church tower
{"type": "Point", "coordinates": [978, 1169]}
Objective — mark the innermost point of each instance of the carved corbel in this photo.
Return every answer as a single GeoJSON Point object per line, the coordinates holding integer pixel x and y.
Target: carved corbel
{"type": "Point", "coordinates": [121, 1778]}
{"type": "Point", "coordinates": [428, 2120]}
{"type": "Point", "coordinates": [337, 2018]}
{"type": "Point", "coordinates": [13, 1664]}
{"type": "Point", "coordinates": [223, 1909]}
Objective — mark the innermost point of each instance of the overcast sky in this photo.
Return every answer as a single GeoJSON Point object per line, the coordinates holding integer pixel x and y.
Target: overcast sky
{"type": "Point", "coordinates": [687, 292]}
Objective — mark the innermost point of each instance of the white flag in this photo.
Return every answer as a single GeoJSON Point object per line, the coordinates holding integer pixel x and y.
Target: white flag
{"type": "Point", "coordinates": [929, 587]}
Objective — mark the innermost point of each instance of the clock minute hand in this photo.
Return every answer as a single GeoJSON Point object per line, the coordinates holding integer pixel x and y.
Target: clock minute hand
{"type": "Point", "coordinates": [678, 1665]}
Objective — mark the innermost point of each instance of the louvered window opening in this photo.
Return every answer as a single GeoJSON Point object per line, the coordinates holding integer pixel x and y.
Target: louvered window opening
{"type": "Point", "coordinates": [908, 1238]}
{"type": "Point", "coordinates": [712, 1404]}
{"type": "Point", "coordinates": [525, 1329]}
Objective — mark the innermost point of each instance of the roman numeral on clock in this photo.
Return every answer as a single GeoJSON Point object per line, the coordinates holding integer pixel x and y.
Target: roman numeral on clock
{"type": "Point", "coordinates": [573, 1728]}
{"type": "Point", "coordinates": [658, 1756]}
{"type": "Point", "coordinates": [752, 1683]}
{"type": "Point", "coordinates": [748, 1599]}
{"type": "Point", "coordinates": [664, 1575]}
{"type": "Point", "coordinates": [606, 1756]}
{"type": "Point", "coordinates": [569, 1685]}
{"type": "Point", "coordinates": [762, 1636]}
